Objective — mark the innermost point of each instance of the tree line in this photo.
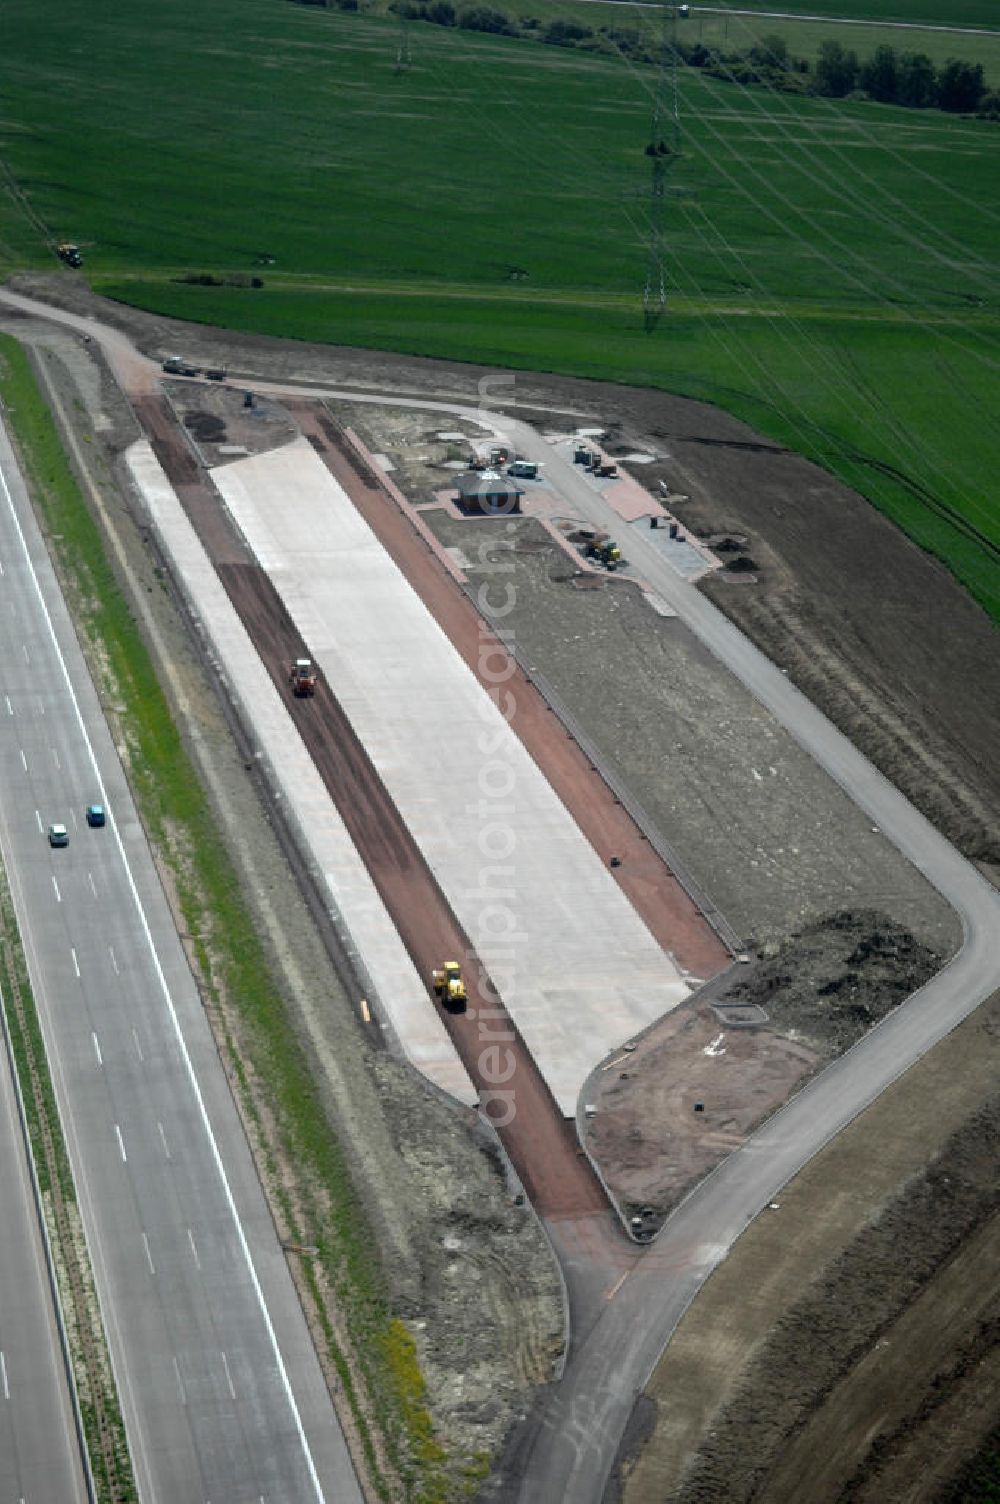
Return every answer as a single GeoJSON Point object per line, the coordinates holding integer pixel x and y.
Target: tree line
{"type": "Point", "coordinates": [887, 76]}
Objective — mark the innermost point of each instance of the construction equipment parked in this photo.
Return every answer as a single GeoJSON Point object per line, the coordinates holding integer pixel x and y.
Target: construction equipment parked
{"type": "Point", "coordinates": [69, 253]}
{"type": "Point", "coordinates": [175, 366]}
{"type": "Point", "coordinates": [302, 678]}
{"type": "Point", "coordinates": [604, 549]}
{"type": "Point", "coordinates": [449, 987]}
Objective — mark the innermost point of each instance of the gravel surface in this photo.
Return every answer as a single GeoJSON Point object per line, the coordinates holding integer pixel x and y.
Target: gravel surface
{"type": "Point", "coordinates": [763, 830]}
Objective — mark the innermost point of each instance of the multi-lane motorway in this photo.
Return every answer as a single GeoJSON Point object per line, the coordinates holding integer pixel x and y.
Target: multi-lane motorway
{"type": "Point", "coordinates": [222, 1395]}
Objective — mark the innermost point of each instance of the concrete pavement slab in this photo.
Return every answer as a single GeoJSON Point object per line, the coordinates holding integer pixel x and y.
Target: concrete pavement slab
{"type": "Point", "coordinates": [578, 970]}
{"type": "Point", "coordinates": [400, 995]}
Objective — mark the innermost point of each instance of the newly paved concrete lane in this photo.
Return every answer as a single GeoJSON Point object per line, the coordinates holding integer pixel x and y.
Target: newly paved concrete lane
{"type": "Point", "coordinates": [222, 1395]}
{"type": "Point", "coordinates": [576, 967]}
{"type": "Point", "coordinates": [39, 1456]}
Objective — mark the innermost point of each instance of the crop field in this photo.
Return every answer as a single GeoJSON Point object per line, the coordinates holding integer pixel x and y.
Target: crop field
{"type": "Point", "coordinates": [951, 13]}
{"type": "Point", "coordinates": [832, 266]}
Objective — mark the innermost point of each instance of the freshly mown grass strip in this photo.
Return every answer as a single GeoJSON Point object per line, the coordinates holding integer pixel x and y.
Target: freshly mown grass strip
{"type": "Point", "coordinates": [233, 969]}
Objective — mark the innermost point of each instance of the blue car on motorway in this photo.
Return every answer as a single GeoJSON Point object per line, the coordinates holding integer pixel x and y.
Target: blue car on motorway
{"type": "Point", "coordinates": [95, 814]}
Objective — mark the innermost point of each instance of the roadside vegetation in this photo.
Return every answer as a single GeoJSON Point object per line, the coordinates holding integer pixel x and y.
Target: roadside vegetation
{"type": "Point", "coordinates": [320, 1216]}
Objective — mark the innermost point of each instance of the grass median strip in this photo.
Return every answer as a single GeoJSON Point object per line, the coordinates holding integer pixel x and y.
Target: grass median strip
{"type": "Point", "coordinates": [96, 1395]}
{"type": "Point", "coordinates": [312, 1196]}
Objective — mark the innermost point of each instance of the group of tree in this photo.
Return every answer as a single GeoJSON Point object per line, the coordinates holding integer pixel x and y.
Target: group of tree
{"type": "Point", "coordinates": [888, 77]}
{"type": "Point", "coordinates": [907, 78]}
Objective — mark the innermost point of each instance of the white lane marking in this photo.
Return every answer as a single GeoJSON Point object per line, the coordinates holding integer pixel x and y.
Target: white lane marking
{"type": "Point", "coordinates": [3, 1370]}
{"type": "Point", "coordinates": [76, 964]}
{"type": "Point", "coordinates": [194, 1249]}
{"type": "Point", "coordinates": [38, 817]}
{"type": "Point", "coordinates": [166, 1149]}
{"type": "Point", "coordinates": [180, 1386]}
{"type": "Point", "coordinates": [1, 567]}
{"type": "Point", "coordinates": [55, 759]}
{"type": "Point", "coordinates": [149, 1256]}
{"type": "Point", "coordinates": [72, 815]}
{"type": "Point", "coordinates": [114, 962]}
{"type": "Point", "coordinates": [24, 760]}
{"type": "Point", "coordinates": [24, 649]}
{"type": "Point", "coordinates": [121, 1144]}
{"type": "Point", "coordinates": [229, 1377]}
{"type": "Point", "coordinates": [97, 1048]}
{"type": "Point", "coordinates": [56, 886]}
{"type": "Point", "coordinates": [10, 708]}
{"type": "Point", "coordinates": [101, 791]}
{"type": "Point", "coordinates": [138, 1046]}
{"type": "Point", "coordinates": [90, 879]}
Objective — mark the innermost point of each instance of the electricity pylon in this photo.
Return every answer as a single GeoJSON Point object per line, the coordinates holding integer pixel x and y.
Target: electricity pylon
{"type": "Point", "coordinates": [662, 150]}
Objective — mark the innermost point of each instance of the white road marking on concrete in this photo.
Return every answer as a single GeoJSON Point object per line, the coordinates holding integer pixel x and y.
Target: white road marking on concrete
{"type": "Point", "coordinates": [138, 1046]}
{"type": "Point", "coordinates": [3, 1370]}
{"type": "Point", "coordinates": [121, 1144]}
{"type": "Point", "coordinates": [90, 879]}
{"type": "Point", "coordinates": [24, 760]}
{"type": "Point", "coordinates": [72, 815]}
{"type": "Point", "coordinates": [76, 964]}
{"type": "Point", "coordinates": [55, 759]}
{"type": "Point", "coordinates": [716, 1047]}
{"type": "Point", "coordinates": [38, 817]}
{"type": "Point", "coordinates": [24, 650]}
{"type": "Point", "coordinates": [149, 1256]}
{"type": "Point", "coordinates": [1, 567]}
{"type": "Point", "coordinates": [163, 1141]}
{"type": "Point", "coordinates": [366, 1012]}
{"type": "Point", "coordinates": [10, 708]}
{"type": "Point", "coordinates": [617, 1286]}
{"type": "Point", "coordinates": [56, 887]}
{"type": "Point", "coordinates": [194, 1248]}
{"type": "Point", "coordinates": [180, 1385]}
{"type": "Point", "coordinates": [97, 1048]}
{"type": "Point", "coordinates": [229, 1377]}
{"type": "Point", "coordinates": [114, 963]}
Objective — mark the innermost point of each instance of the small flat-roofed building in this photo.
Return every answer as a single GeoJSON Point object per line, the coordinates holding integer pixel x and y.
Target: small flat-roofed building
{"type": "Point", "coordinates": [487, 494]}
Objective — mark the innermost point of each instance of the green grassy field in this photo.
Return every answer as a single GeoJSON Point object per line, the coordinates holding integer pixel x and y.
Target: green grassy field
{"type": "Point", "coordinates": [833, 266]}
{"type": "Point", "coordinates": [951, 13]}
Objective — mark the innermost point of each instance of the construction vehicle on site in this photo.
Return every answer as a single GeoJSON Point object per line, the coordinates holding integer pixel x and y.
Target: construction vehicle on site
{"type": "Point", "coordinates": [449, 986]}
{"type": "Point", "coordinates": [604, 549]}
{"type": "Point", "coordinates": [302, 678]}
{"type": "Point", "coordinates": [70, 253]}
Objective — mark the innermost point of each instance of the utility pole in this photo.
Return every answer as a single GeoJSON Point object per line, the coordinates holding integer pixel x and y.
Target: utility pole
{"type": "Point", "coordinates": [663, 149]}
{"type": "Point", "coordinates": [403, 50]}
